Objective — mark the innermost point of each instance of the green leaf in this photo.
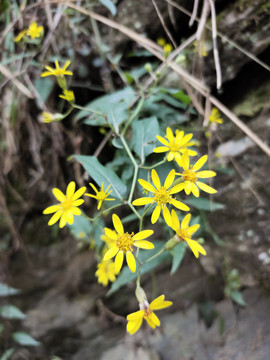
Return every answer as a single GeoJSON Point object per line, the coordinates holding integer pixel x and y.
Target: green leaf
{"type": "Point", "coordinates": [11, 312]}
{"type": "Point", "coordinates": [44, 87]}
{"type": "Point", "coordinates": [109, 5]}
{"type": "Point", "coordinates": [81, 227]}
{"type": "Point", "coordinates": [6, 290]}
{"type": "Point", "coordinates": [238, 298]}
{"type": "Point", "coordinates": [204, 204]}
{"type": "Point", "coordinates": [98, 226]}
{"type": "Point", "coordinates": [7, 354]}
{"type": "Point", "coordinates": [144, 135]}
{"type": "Point", "coordinates": [113, 106]}
{"type": "Point", "coordinates": [180, 95]}
{"type": "Point", "coordinates": [178, 253]}
{"type": "Point", "coordinates": [101, 174]}
{"type": "Point", "coordinates": [24, 339]}
{"type": "Point", "coordinates": [126, 276]}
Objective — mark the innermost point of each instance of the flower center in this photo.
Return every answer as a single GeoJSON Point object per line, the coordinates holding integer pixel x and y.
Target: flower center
{"type": "Point", "coordinates": [174, 147]}
{"type": "Point", "coordinates": [125, 242]}
{"type": "Point", "coordinates": [58, 72]}
{"type": "Point", "coordinates": [189, 175]}
{"type": "Point", "coordinates": [67, 204]}
{"type": "Point", "coordinates": [147, 313]}
{"type": "Point", "coordinates": [101, 195]}
{"type": "Point", "coordinates": [162, 197]}
{"type": "Point", "coordinates": [183, 233]}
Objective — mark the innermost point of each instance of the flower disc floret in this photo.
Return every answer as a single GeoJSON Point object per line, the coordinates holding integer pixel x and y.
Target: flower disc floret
{"type": "Point", "coordinates": [162, 196]}
{"type": "Point", "coordinates": [190, 176]}
{"type": "Point", "coordinates": [124, 244]}
{"type": "Point", "coordinates": [146, 312]}
{"type": "Point", "coordinates": [184, 232]}
{"type": "Point", "coordinates": [68, 205]}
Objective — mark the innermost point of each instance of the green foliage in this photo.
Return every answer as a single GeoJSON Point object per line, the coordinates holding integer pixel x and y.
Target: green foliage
{"type": "Point", "coordinates": [7, 354]}
{"type": "Point", "coordinates": [23, 338]}
{"type": "Point", "coordinates": [201, 203]}
{"type": "Point", "coordinates": [109, 5]}
{"type": "Point", "coordinates": [178, 253]}
{"type": "Point", "coordinates": [11, 312]}
{"type": "Point", "coordinates": [232, 287]}
{"type": "Point", "coordinates": [6, 290]}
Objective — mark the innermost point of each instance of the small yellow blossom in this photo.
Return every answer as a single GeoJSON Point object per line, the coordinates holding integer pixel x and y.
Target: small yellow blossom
{"type": "Point", "coordinates": [57, 71]}
{"type": "Point", "coordinates": [146, 312]}
{"type": "Point", "coordinates": [48, 117]}
{"type": "Point", "coordinates": [34, 31]}
{"type": "Point", "coordinates": [68, 95]}
{"type": "Point", "coordinates": [161, 42]}
{"type": "Point", "coordinates": [215, 116]}
{"type": "Point", "coordinates": [68, 205]}
{"type": "Point", "coordinates": [175, 145]}
{"type": "Point", "coordinates": [105, 272]}
{"type": "Point", "coordinates": [161, 196]}
{"type": "Point", "coordinates": [100, 195]}
{"type": "Point", "coordinates": [184, 232]}
{"type": "Point", "coordinates": [167, 49]}
{"type": "Point", "coordinates": [124, 244]}
{"type": "Point", "coordinates": [191, 175]}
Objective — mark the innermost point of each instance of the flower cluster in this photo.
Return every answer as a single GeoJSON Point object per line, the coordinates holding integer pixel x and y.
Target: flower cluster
{"type": "Point", "coordinates": [167, 48]}
{"type": "Point", "coordinates": [33, 32]}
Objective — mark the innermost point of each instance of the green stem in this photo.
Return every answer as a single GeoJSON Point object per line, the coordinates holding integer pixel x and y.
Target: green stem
{"type": "Point", "coordinates": [153, 166]}
{"type": "Point", "coordinates": [133, 116]}
{"type": "Point", "coordinates": [154, 256]}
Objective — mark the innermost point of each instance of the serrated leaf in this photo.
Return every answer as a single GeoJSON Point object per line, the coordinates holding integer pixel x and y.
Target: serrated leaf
{"type": "Point", "coordinates": [6, 290]}
{"type": "Point", "coordinates": [114, 106]}
{"type": "Point", "coordinates": [126, 276]}
{"type": "Point", "coordinates": [143, 134]}
{"type": "Point", "coordinates": [101, 174]}
{"type": "Point", "coordinates": [238, 298]}
{"type": "Point", "coordinates": [23, 338]}
{"type": "Point", "coordinates": [178, 253]}
{"type": "Point", "coordinates": [204, 204]}
{"type": "Point", "coordinates": [11, 312]}
{"type": "Point", "coordinates": [109, 5]}
{"type": "Point", "coordinates": [7, 354]}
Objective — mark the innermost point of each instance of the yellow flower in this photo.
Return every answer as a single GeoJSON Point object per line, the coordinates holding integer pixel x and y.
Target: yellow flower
{"type": "Point", "coordinates": [135, 319]}
{"type": "Point", "coordinates": [185, 232]}
{"type": "Point", "coordinates": [68, 95]}
{"type": "Point", "coordinates": [100, 195]}
{"type": "Point", "coordinates": [175, 144]}
{"type": "Point", "coordinates": [34, 31]}
{"type": "Point", "coordinates": [19, 37]}
{"type": "Point", "coordinates": [57, 71]}
{"type": "Point", "coordinates": [124, 243]}
{"type": "Point", "coordinates": [161, 41]}
{"type": "Point", "coordinates": [68, 205]}
{"type": "Point", "coordinates": [48, 117]}
{"type": "Point", "coordinates": [161, 196]}
{"type": "Point", "coordinates": [167, 49]}
{"type": "Point", "coordinates": [109, 243]}
{"type": "Point", "coordinates": [191, 175]}
{"type": "Point", "coordinates": [215, 116]}
{"type": "Point", "coordinates": [105, 272]}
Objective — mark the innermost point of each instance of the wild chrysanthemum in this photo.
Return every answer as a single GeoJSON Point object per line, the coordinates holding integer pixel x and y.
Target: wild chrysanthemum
{"type": "Point", "coordinates": [124, 244]}
{"type": "Point", "coordinates": [161, 41]}
{"type": "Point", "coordinates": [57, 71]}
{"type": "Point", "coordinates": [184, 232]}
{"type": "Point", "coordinates": [101, 195]}
{"type": "Point", "coordinates": [68, 95]}
{"type": "Point", "coordinates": [167, 48]}
{"type": "Point", "coordinates": [34, 31]}
{"type": "Point", "coordinates": [162, 196]}
{"type": "Point", "coordinates": [215, 116]}
{"type": "Point", "coordinates": [191, 175]}
{"type": "Point", "coordinates": [135, 319]}
{"type": "Point", "coordinates": [68, 205]}
{"type": "Point", "coordinates": [105, 272]}
{"type": "Point", "coordinates": [175, 145]}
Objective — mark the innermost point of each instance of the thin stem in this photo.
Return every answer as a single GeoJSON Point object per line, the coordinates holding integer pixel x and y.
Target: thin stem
{"type": "Point", "coordinates": [153, 166]}
{"type": "Point", "coordinates": [154, 256]}
{"type": "Point", "coordinates": [133, 116]}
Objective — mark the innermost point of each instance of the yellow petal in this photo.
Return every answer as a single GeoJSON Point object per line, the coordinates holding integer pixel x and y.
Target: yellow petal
{"type": "Point", "coordinates": [78, 202]}
{"type": "Point", "coordinates": [131, 261]}
{"type": "Point", "coordinates": [205, 174]}
{"type": "Point", "coordinates": [155, 214]}
{"type": "Point", "coordinates": [51, 209]}
{"type": "Point", "coordinates": [79, 193]}
{"type": "Point", "coordinates": [142, 235]}
{"type": "Point", "coordinates": [206, 188]}
{"type": "Point", "coordinates": [135, 315]}
{"type": "Point", "coordinates": [194, 228]}
{"type": "Point", "coordinates": [146, 185]}
{"type": "Point", "coordinates": [70, 189]}
{"type": "Point", "coordinates": [117, 224]}
{"type": "Point", "coordinates": [133, 326]}
{"type": "Point", "coordinates": [150, 322]}
{"type": "Point", "coordinates": [160, 149]}
{"type": "Point", "coordinates": [169, 134]}
{"type": "Point", "coordinates": [177, 188]}
{"type": "Point", "coordinates": [162, 140]}
{"type": "Point", "coordinates": [185, 221]}
{"type": "Point", "coordinates": [69, 217]}
{"type": "Point", "coordinates": [111, 234]}
{"type": "Point", "coordinates": [59, 195]}
{"type": "Point", "coordinates": [94, 188]}
{"type": "Point", "coordinates": [167, 216]}
{"type": "Point", "coordinates": [142, 201]}
{"type": "Point", "coordinates": [143, 244]}
{"type": "Point", "coordinates": [177, 156]}
{"type": "Point", "coordinates": [194, 189]}
{"type": "Point", "coordinates": [200, 163]}
{"type": "Point", "coordinates": [155, 179]}
{"type": "Point", "coordinates": [63, 221]}
{"type": "Point", "coordinates": [159, 303]}
{"type": "Point", "coordinates": [170, 156]}
{"type": "Point", "coordinates": [175, 221]}
{"type": "Point", "coordinates": [119, 261]}
{"type": "Point", "coordinates": [188, 187]}
{"type": "Point", "coordinates": [55, 217]}
{"type": "Point", "coordinates": [179, 205]}
{"type": "Point", "coordinates": [76, 211]}
{"type": "Point", "coordinates": [111, 253]}
{"type": "Point", "coordinates": [170, 179]}
{"type": "Point", "coordinates": [185, 161]}
{"type": "Point", "coordinates": [195, 247]}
